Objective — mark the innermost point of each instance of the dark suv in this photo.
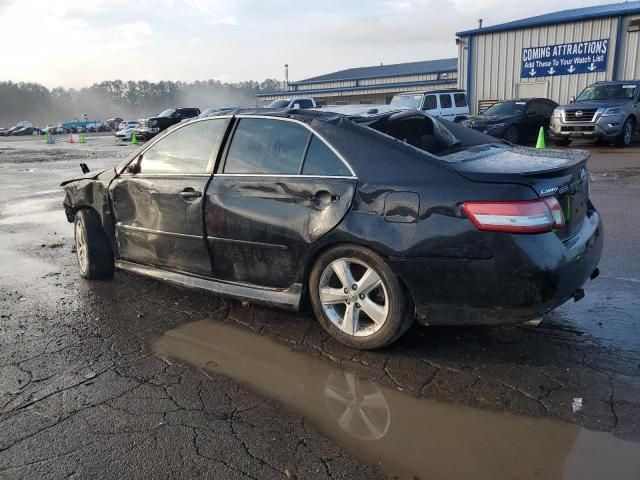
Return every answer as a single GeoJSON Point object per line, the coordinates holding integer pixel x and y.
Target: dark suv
{"type": "Point", "coordinates": [604, 111]}
{"type": "Point", "coordinates": [150, 127]}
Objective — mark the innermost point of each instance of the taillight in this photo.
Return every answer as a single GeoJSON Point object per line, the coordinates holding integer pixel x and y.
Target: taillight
{"type": "Point", "coordinates": [534, 216]}
{"type": "Point", "coordinates": [556, 211]}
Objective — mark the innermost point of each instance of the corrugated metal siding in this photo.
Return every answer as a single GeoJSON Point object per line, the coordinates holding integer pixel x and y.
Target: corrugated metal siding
{"type": "Point", "coordinates": [496, 59]}
{"type": "Point", "coordinates": [630, 60]}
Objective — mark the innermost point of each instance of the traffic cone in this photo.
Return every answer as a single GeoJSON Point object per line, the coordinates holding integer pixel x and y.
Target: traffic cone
{"type": "Point", "coordinates": [540, 142]}
{"type": "Point", "coordinates": [82, 138]}
{"type": "Point", "coordinates": [134, 139]}
{"type": "Point", "coordinates": [71, 140]}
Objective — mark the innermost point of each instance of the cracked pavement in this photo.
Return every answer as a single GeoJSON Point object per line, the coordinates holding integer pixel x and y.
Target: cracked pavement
{"type": "Point", "coordinates": [84, 394]}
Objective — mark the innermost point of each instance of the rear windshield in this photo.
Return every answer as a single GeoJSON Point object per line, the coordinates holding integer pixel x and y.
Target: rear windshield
{"type": "Point", "coordinates": [608, 92]}
{"type": "Point", "coordinates": [506, 108]}
{"type": "Point", "coordinates": [411, 101]}
{"type": "Point", "coordinates": [279, 104]}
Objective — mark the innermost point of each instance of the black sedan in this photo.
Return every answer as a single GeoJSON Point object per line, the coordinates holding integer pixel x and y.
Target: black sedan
{"type": "Point", "coordinates": [374, 218]}
{"type": "Point", "coordinates": [514, 120]}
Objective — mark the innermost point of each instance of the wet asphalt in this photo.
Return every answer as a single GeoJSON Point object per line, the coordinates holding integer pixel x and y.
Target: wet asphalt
{"type": "Point", "coordinates": [132, 378]}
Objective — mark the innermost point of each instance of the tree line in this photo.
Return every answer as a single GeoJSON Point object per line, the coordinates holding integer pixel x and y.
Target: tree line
{"type": "Point", "coordinates": [117, 98]}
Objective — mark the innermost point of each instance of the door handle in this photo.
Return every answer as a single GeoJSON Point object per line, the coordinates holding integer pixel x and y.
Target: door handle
{"type": "Point", "coordinates": [189, 193]}
{"type": "Point", "coordinates": [323, 197]}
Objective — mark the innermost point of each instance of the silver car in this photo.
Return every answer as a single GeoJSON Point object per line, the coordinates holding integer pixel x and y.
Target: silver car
{"type": "Point", "coordinates": [604, 111]}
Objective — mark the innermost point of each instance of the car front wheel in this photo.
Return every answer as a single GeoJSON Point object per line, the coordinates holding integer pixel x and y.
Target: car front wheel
{"type": "Point", "coordinates": [511, 134]}
{"type": "Point", "coordinates": [95, 256]}
{"type": "Point", "coordinates": [357, 298]}
{"type": "Point", "coordinates": [624, 139]}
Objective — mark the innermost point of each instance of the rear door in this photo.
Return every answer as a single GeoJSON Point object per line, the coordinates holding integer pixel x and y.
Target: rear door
{"type": "Point", "coordinates": [446, 106]}
{"type": "Point", "coordinates": [278, 189]}
{"type": "Point", "coordinates": [157, 200]}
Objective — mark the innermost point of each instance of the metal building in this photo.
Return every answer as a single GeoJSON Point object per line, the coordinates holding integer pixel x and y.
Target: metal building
{"type": "Point", "coordinates": [554, 55]}
{"type": "Point", "coordinates": [371, 85]}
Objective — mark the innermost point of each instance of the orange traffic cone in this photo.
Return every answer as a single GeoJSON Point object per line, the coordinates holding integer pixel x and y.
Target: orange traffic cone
{"type": "Point", "coordinates": [71, 138]}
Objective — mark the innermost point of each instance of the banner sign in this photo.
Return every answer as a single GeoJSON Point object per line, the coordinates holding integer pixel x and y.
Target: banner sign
{"type": "Point", "coordinates": [565, 59]}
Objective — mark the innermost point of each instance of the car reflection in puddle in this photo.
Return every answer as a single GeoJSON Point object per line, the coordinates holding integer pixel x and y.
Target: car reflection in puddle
{"type": "Point", "coordinates": [408, 437]}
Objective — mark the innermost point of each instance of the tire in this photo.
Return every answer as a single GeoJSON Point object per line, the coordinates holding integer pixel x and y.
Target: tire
{"type": "Point", "coordinates": [94, 252]}
{"type": "Point", "coordinates": [511, 134]}
{"type": "Point", "coordinates": [386, 300]}
{"type": "Point", "coordinates": [626, 134]}
{"type": "Point", "coordinates": [561, 142]}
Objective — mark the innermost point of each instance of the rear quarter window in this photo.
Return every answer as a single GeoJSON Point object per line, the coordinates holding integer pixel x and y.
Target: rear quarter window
{"type": "Point", "coordinates": [460, 99]}
{"type": "Point", "coordinates": [321, 160]}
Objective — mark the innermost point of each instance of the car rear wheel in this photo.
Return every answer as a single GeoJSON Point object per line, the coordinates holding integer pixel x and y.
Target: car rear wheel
{"type": "Point", "coordinates": [511, 134]}
{"type": "Point", "coordinates": [624, 139]}
{"type": "Point", "coordinates": [95, 256]}
{"type": "Point", "coordinates": [357, 298]}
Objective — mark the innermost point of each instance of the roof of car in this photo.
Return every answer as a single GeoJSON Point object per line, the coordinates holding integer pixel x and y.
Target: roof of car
{"type": "Point", "coordinates": [617, 82]}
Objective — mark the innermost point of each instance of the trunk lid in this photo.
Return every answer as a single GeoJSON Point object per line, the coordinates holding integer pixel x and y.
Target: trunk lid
{"type": "Point", "coordinates": [562, 174]}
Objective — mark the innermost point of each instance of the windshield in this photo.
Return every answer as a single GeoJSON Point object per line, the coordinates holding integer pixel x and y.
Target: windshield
{"type": "Point", "coordinates": [608, 92]}
{"type": "Point", "coordinates": [279, 103]}
{"type": "Point", "coordinates": [411, 101]}
{"type": "Point", "coordinates": [506, 108]}
{"type": "Point", "coordinates": [167, 113]}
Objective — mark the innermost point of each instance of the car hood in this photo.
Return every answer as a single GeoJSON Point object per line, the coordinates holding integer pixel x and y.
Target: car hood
{"type": "Point", "coordinates": [490, 119]}
{"type": "Point", "coordinates": [86, 176]}
{"type": "Point", "coordinates": [595, 104]}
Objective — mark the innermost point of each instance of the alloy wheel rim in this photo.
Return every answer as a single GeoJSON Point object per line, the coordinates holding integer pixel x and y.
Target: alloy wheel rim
{"type": "Point", "coordinates": [81, 246]}
{"type": "Point", "coordinates": [627, 133]}
{"type": "Point", "coordinates": [354, 297]}
{"type": "Point", "coordinates": [512, 135]}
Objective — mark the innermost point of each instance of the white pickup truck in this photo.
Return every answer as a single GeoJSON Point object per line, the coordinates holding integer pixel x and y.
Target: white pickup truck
{"type": "Point", "coordinates": [297, 102]}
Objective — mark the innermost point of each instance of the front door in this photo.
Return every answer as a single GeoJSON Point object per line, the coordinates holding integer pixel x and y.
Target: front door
{"type": "Point", "coordinates": [157, 200]}
{"type": "Point", "coordinates": [278, 190]}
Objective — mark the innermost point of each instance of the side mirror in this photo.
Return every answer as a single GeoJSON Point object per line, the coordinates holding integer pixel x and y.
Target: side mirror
{"type": "Point", "coordinates": [133, 167]}
{"type": "Point", "coordinates": [572, 99]}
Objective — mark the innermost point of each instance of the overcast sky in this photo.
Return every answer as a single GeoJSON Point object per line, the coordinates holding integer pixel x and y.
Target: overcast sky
{"type": "Point", "coordinates": [75, 43]}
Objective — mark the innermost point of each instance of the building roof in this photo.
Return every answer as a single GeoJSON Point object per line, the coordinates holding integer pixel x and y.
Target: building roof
{"type": "Point", "coordinates": [564, 16]}
{"type": "Point", "coordinates": [378, 71]}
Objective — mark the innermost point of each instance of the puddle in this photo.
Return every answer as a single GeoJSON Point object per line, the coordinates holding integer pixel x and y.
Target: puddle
{"type": "Point", "coordinates": [408, 437]}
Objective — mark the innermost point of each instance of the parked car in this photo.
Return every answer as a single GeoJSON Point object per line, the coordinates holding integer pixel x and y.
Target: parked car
{"type": "Point", "coordinates": [296, 102]}
{"type": "Point", "coordinates": [15, 128]}
{"type": "Point", "coordinates": [450, 104]}
{"type": "Point", "coordinates": [514, 120]}
{"type": "Point", "coordinates": [113, 123]}
{"type": "Point", "coordinates": [150, 127]}
{"type": "Point", "coordinates": [604, 111]}
{"type": "Point", "coordinates": [27, 131]}
{"type": "Point", "coordinates": [372, 217]}
{"type": "Point", "coordinates": [125, 130]}
{"type": "Point", "coordinates": [77, 126]}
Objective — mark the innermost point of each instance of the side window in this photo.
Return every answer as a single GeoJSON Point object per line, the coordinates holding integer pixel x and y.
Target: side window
{"type": "Point", "coordinates": [305, 103]}
{"type": "Point", "coordinates": [445, 101]}
{"type": "Point", "coordinates": [186, 150]}
{"type": "Point", "coordinates": [320, 160]}
{"type": "Point", "coordinates": [430, 102]}
{"type": "Point", "coordinates": [266, 146]}
{"type": "Point", "coordinates": [546, 108]}
{"type": "Point", "coordinates": [460, 99]}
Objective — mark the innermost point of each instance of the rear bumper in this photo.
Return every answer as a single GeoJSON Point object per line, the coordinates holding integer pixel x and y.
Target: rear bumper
{"type": "Point", "coordinates": [526, 277]}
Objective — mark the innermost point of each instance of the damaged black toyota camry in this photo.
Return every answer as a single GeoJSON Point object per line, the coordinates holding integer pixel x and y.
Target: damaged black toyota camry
{"type": "Point", "coordinates": [374, 218]}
